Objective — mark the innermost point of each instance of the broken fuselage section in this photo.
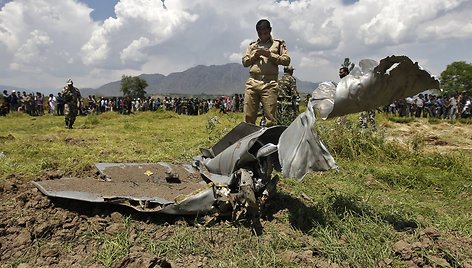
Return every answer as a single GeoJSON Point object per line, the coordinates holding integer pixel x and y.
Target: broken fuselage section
{"type": "Point", "coordinates": [231, 177]}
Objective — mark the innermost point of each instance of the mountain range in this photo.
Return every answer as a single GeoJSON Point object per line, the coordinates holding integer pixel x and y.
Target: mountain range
{"type": "Point", "coordinates": [224, 79]}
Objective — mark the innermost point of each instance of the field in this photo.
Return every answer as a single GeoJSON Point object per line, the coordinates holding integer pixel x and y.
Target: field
{"type": "Point", "coordinates": [401, 198]}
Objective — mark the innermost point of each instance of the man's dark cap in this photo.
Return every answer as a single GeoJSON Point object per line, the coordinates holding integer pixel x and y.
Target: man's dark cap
{"type": "Point", "coordinates": [263, 24]}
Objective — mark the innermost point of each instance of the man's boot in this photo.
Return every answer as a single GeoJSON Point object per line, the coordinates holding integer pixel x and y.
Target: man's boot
{"type": "Point", "coordinates": [67, 122]}
{"type": "Point", "coordinates": [71, 122]}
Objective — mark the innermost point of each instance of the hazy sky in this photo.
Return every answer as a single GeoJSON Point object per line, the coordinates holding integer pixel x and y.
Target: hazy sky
{"type": "Point", "coordinates": [45, 42]}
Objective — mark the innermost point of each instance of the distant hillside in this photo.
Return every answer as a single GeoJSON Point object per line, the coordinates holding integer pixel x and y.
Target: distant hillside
{"type": "Point", "coordinates": [211, 80]}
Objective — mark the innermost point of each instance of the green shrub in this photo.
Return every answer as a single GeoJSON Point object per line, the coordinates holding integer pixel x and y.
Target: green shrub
{"type": "Point", "coordinates": [434, 120]}
{"type": "Point", "coordinates": [350, 142]}
{"type": "Point", "coordinates": [402, 120]}
{"type": "Point", "coordinates": [467, 121]}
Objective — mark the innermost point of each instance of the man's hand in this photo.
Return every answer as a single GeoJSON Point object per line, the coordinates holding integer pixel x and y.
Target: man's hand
{"type": "Point", "coordinates": [262, 52]}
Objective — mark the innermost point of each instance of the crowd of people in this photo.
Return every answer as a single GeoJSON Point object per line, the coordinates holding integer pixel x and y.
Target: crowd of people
{"type": "Point", "coordinates": [32, 103]}
{"type": "Point", "coordinates": [38, 104]}
{"type": "Point", "coordinates": [453, 106]}
{"type": "Point", "coordinates": [180, 105]}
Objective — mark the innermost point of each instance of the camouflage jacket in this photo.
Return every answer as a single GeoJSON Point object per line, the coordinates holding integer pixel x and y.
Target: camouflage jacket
{"type": "Point", "coordinates": [71, 95]}
{"type": "Point", "coordinates": [287, 88]}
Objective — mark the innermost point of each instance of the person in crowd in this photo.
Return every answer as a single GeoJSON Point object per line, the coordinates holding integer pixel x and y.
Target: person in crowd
{"type": "Point", "coordinates": [60, 104]}
{"type": "Point", "coordinates": [51, 104]}
{"type": "Point", "coordinates": [466, 113]}
{"type": "Point", "coordinates": [6, 100]}
{"type": "Point", "coordinates": [453, 108]}
{"type": "Point", "coordinates": [39, 101]}
{"type": "Point", "coordinates": [14, 101]}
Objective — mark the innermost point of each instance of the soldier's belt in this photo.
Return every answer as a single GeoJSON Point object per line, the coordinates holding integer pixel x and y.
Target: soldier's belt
{"type": "Point", "coordinates": [286, 103]}
{"type": "Point", "coordinates": [264, 77]}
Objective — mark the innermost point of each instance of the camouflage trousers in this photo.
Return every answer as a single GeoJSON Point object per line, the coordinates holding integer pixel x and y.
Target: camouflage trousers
{"type": "Point", "coordinates": [367, 116]}
{"type": "Point", "coordinates": [260, 91]}
{"type": "Point", "coordinates": [70, 113]}
{"type": "Point", "coordinates": [286, 112]}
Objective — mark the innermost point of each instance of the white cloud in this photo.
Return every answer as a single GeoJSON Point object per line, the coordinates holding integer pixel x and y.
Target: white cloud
{"type": "Point", "coordinates": [32, 53]}
{"type": "Point", "coordinates": [138, 24]}
{"type": "Point", "coordinates": [41, 40]}
{"type": "Point", "coordinates": [403, 21]}
{"type": "Point", "coordinates": [133, 52]}
{"type": "Point", "coordinates": [456, 23]}
{"type": "Point", "coordinates": [9, 22]}
{"type": "Point", "coordinates": [96, 49]}
{"type": "Point", "coordinates": [312, 23]}
{"type": "Point", "coordinates": [235, 57]}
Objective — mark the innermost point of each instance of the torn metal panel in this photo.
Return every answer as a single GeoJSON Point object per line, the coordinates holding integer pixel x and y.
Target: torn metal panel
{"type": "Point", "coordinates": [141, 186]}
{"type": "Point", "coordinates": [301, 150]}
{"type": "Point", "coordinates": [372, 85]}
{"type": "Point", "coordinates": [243, 152]}
{"type": "Point", "coordinates": [240, 131]}
{"type": "Point", "coordinates": [213, 177]}
{"type": "Point", "coordinates": [201, 202]}
{"type": "Point", "coordinates": [368, 86]}
{"type": "Point", "coordinates": [76, 195]}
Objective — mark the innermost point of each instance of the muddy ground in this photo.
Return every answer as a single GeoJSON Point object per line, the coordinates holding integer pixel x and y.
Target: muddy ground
{"type": "Point", "coordinates": [37, 231]}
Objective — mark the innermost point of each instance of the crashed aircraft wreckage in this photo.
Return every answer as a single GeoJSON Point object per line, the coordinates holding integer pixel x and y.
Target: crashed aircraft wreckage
{"type": "Point", "coordinates": [235, 175]}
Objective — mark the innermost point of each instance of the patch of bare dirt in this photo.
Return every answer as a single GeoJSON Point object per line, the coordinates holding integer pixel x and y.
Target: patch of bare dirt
{"type": "Point", "coordinates": [9, 137]}
{"type": "Point", "coordinates": [444, 250]}
{"type": "Point", "coordinates": [74, 141]}
{"type": "Point", "coordinates": [442, 137]}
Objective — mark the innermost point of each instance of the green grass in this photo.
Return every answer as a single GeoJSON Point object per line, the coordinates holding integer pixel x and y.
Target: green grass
{"type": "Point", "coordinates": [42, 143]}
{"type": "Point", "coordinates": [397, 119]}
{"type": "Point", "coordinates": [382, 193]}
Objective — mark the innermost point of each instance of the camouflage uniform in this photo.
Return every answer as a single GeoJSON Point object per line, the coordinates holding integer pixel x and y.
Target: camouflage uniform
{"type": "Point", "coordinates": [184, 105]}
{"type": "Point", "coordinates": [367, 116]}
{"type": "Point", "coordinates": [287, 99]}
{"type": "Point", "coordinates": [72, 97]}
{"type": "Point", "coordinates": [30, 107]}
{"type": "Point", "coordinates": [261, 86]}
